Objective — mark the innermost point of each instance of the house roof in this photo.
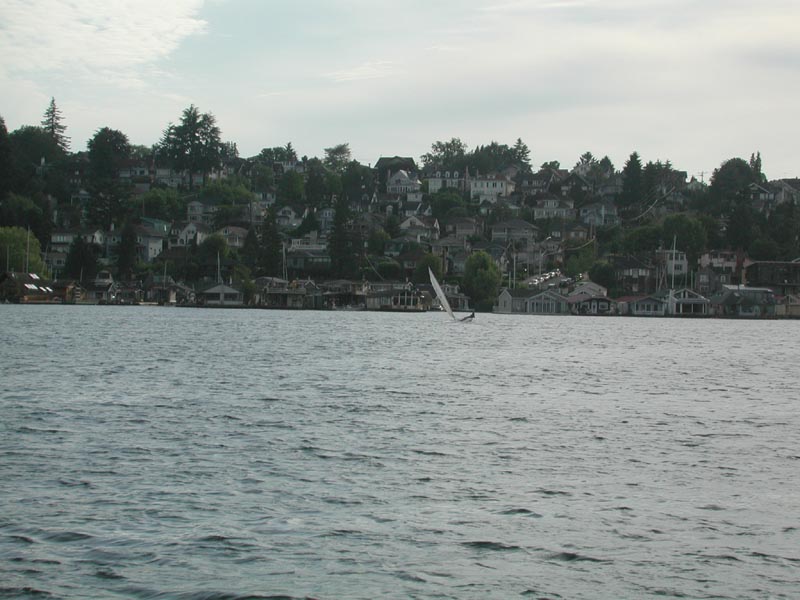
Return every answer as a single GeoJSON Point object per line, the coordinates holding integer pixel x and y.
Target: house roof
{"type": "Point", "coordinates": [514, 224]}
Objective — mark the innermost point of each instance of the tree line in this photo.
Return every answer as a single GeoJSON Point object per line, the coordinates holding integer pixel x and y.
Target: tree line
{"type": "Point", "coordinates": [36, 165]}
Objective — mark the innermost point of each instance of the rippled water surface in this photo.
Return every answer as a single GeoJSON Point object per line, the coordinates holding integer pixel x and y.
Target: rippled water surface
{"type": "Point", "coordinates": [201, 454]}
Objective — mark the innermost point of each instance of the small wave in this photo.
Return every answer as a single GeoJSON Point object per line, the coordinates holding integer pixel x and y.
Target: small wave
{"type": "Point", "coordinates": [68, 483]}
{"type": "Point", "coordinates": [107, 574]}
{"type": "Point", "coordinates": [22, 538]}
{"type": "Point", "coordinates": [23, 592]}
{"type": "Point", "coordinates": [575, 557]}
{"type": "Point", "coordinates": [545, 492]}
{"type": "Point", "coordinates": [487, 545]}
{"type": "Point", "coordinates": [521, 511]}
{"type": "Point", "coordinates": [429, 452]}
{"type": "Point", "coordinates": [67, 536]}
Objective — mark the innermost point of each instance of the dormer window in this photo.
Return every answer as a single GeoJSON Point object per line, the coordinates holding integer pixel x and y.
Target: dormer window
{"type": "Point", "coordinates": [455, 174]}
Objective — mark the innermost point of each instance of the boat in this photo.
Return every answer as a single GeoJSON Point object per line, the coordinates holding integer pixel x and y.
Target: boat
{"type": "Point", "coordinates": [440, 295]}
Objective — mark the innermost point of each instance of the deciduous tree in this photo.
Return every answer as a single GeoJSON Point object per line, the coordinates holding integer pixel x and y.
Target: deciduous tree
{"type": "Point", "coordinates": [194, 145]}
{"type": "Point", "coordinates": [18, 248]}
{"type": "Point", "coordinates": [337, 157]}
{"type": "Point", "coordinates": [481, 280]}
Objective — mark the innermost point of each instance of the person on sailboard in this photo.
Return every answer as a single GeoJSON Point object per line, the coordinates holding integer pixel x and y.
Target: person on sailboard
{"type": "Point", "coordinates": [468, 317]}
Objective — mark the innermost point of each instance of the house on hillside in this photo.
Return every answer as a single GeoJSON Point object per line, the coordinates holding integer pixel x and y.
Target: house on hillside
{"type": "Point", "coordinates": [513, 301]}
{"type": "Point", "coordinates": [461, 227]}
{"type": "Point", "coordinates": [438, 180]}
{"type": "Point", "coordinates": [743, 301]}
{"type": "Point", "coordinates": [782, 277]}
{"type": "Point", "coordinates": [219, 295]}
{"type": "Point", "coordinates": [403, 182]}
{"type": "Point", "coordinates": [490, 187]}
{"type": "Point", "coordinates": [552, 207]}
{"type": "Point", "coordinates": [520, 232]}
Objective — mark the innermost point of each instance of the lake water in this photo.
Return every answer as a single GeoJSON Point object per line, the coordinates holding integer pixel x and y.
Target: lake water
{"type": "Point", "coordinates": [208, 454]}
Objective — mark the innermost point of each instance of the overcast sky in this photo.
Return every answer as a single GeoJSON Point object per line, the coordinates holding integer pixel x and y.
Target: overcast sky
{"type": "Point", "coordinates": [692, 81]}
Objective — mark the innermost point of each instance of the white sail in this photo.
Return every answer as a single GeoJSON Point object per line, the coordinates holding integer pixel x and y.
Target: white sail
{"type": "Point", "coordinates": [440, 294]}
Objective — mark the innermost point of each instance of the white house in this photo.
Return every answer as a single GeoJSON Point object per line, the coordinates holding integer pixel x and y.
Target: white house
{"type": "Point", "coordinates": [490, 187]}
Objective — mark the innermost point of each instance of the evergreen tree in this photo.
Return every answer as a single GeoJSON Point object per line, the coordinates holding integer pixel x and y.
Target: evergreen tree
{"type": "Point", "coordinates": [53, 125]}
{"type": "Point", "coordinates": [522, 154]}
{"type": "Point", "coordinates": [81, 262]}
{"type": "Point", "coordinates": [6, 166]}
{"type": "Point", "coordinates": [339, 246]}
{"type": "Point", "coordinates": [632, 190]}
{"type": "Point", "coordinates": [755, 166]}
{"type": "Point", "coordinates": [271, 246]}
{"type": "Point", "coordinates": [128, 252]}
{"type": "Point", "coordinates": [251, 250]}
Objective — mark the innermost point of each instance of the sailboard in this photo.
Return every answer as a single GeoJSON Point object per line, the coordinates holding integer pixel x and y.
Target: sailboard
{"type": "Point", "coordinates": [440, 294]}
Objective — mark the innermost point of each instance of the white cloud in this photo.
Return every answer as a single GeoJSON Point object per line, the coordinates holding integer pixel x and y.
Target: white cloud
{"type": "Point", "coordinates": [368, 70]}
{"type": "Point", "coordinates": [93, 40]}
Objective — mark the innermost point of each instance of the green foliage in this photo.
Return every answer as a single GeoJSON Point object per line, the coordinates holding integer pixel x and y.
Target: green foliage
{"type": "Point", "coordinates": [271, 247]}
{"type": "Point", "coordinates": [446, 156]}
{"type": "Point", "coordinates": [642, 240]}
{"type": "Point", "coordinates": [6, 165]}
{"type": "Point", "coordinates": [783, 226]}
{"type": "Point", "coordinates": [729, 185]}
{"type": "Point", "coordinates": [127, 253]}
{"type": "Point", "coordinates": [376, 243]}
{"type": "Point", "coordinates": [632, 184]}
{"type": "Point", "coordinates": [522, 155]}
{"type": "Point", "coordinates": [108, 150]}
{"type": "Point", "coordinates": [431, 261]}
{"type": "Point", "coordinates": [340, 246]}
{"type": "Point", "coordinates": [160, 203]}
{"type": "Point", "coordinates": [243, 281]}
{"type": "Point", "coordinates": [29, 146]}
{"type": "Point", "coordinates": [579, 259]}
{"type": "Point", "coordinates": [445, 200]}
{"type": "Point", "coordinates": [389, 269]}
{"type": "Point", "coordinates": [602, 272]}
{"type": "Point", "coordinates": [82, 260]}
{"type": "Point", "coordinates": [393, 226]}
{"type": "Point", "coordinates": [15, 244]}
{"type": "Point", "coordinates": [108, 203]}
{"type": "Point", "coordinates": [482, 280]}
{"type": "Point", "coordinates": [742, 230]}
{"type": "Point", "coordinates": [316, 185]}
{"type": "Point", "coordinates": [194, 145]}
{"type": "Point", "coordinates": [290, 188]}
{"type": "Point", "coordinates": [212, 249]}
{"type": "Point", "coordinates": [309, 224]}
{"type": "Point", "coordinates": [713, 230]}
{"type": "Point", "coordinates": [356, 180]}
{"type": "Point", "coordinates": [52, 123]}
{"type": "Point", "coordinates": [251, 250]}
{"type": "Point", "coordinates": [21, 211]}
{"type": "Point", "coordinates": [263, 178]}
{"type": "Point", "coordinates": [688, 233]}
{"type": "Point", "coordinates": [225, 192]}
{"type": "Point", "coordinates": [337, 157]}
{"type": "Point", "coordinates": [765, 248]}
{"type": "Point", "coordinates": [278, 154]}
